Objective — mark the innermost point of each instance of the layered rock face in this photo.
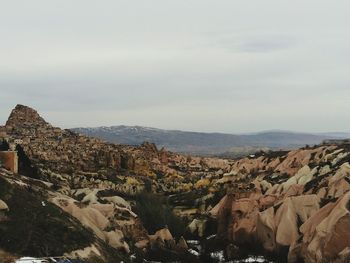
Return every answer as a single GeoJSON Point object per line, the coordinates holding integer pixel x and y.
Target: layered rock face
{"type": "Point", "coordinates": [326, 234]}
{"type": "Point", "coordinates": [62, 151]}
{"type": "Point", "coordinates": [39, 222]}
{"type": "Point", "coordinates": [294, 202]}
{"type": "Point", "coordinates": [299, 202]}
{"type": "Point", "coordinates": [86, 177]}
{"type": "Point", "coordinates": [78, 161]}
{"type": "Point", "coordinates": [73, 161]}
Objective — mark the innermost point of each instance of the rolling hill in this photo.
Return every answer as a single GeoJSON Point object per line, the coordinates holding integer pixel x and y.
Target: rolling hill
{"type": "Point", "coordinates": [200, 143]}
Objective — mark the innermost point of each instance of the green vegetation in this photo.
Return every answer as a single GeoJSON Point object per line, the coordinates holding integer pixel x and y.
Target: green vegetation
{"type": "Point", "coordinates": [156, 214]}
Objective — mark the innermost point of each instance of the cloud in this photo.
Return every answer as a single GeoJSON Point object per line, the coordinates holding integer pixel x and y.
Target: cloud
{"type": "Point", "coordinates": [267, 44]}
{"type": "Point", "coordinates": [199, 65]}
{"type": "Point", "coordinates": [258, 42]}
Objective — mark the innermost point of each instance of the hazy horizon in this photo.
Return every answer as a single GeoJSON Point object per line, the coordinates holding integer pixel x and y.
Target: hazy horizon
{"type": "Point", "coordinates": [196, 131]}
{"type": "Point", "coordinates": [229, 66]}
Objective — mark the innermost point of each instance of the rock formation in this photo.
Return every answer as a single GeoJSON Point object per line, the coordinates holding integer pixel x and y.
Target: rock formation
{"type": "Point", "coordinates": [299, 201]}
{"type": "Point", "coordinates": [289, 203]}
{"type": "Point", "coordinates": [85, 177]}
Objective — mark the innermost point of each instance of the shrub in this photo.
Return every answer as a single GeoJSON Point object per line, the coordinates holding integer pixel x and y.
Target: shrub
{"type": "Point", "coordinates": [202, 183]}
{"type": "Point", "coordinates": [156, 214]}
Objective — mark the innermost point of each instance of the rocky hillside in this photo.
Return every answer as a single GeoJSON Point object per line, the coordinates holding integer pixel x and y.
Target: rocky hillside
{"type": "Point", "coordinates": [198, 143]}
{"type": "Point", "coordinates": [73, 160]}
{"type": "Point", "coordinates": [31, 225]}
{"type": "Point", "coordinates": [298, 204]}
{"type": "Point", "coordinates": [134, 203]}
{"type": "Point", "coordinates": [101, 184]}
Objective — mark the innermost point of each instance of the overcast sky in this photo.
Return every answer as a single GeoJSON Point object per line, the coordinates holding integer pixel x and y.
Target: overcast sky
{"type": "Point", "coordinates": [228, 66]}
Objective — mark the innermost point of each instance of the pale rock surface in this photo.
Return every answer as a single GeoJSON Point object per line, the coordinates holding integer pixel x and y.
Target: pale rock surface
{"type": "Point", "coordinates": [162, 239]}
{"type": "Point", "coordinates": [3, 205]}
{"type": "Point", "coordinates": [287, 216]}
{"type": "Point", "coordinates": [116, 240]}
{"type": "Point", "coordinates": [266, 229]}
{"type": "Point", "coordinates": [244, 214]}
{"type": "Point", "coordinates": [214, 212]}
{"type": "Point", "coordinates": [85, 253]}
{"type": "Point", "coordinates": [326, 233]}
{"type": "Point", "coordinates": [197, 226]}
{"type": "Point", "coordinates": [324, 170]}
{"type": "Point", "coordinates": [117, 200]}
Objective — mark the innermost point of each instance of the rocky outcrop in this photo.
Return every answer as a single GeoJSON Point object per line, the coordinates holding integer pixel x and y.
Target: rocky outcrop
{"type": "Point", "coordinates": [73, 160]}
{"type": "Point", "coordinates": [278, 227]}
{"type": "Point", "coordinates": [244, 216]}
{"type": "Point", "coordinates": [62, 151]}
{"type": "Point", "coordinates": [326, 235]}
{"type": "Point", "coordinates": [24, 117]}
{"type": "Point", "coordinates": [33, 226]}
{"type": "Point", "coordinates": [288, 163]}
{"type": "Point", "coordinates": [86, 177]}
{"type": "Point", "coordinates": [111, 222]}
{"type": "Point", "coordinates": [297, 202]}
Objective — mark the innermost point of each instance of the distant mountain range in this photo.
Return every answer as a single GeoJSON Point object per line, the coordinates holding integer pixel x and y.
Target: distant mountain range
{"type": "Point", "coordinates": [200, 143]}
